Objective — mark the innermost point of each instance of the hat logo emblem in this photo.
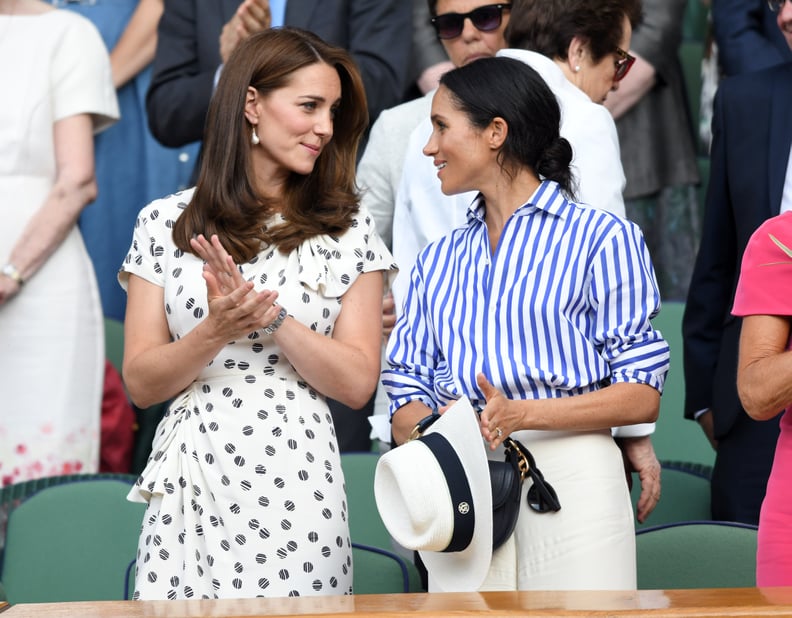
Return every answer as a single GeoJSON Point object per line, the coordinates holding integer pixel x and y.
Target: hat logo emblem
{"type": "Point", "coordinates": [463, 508]}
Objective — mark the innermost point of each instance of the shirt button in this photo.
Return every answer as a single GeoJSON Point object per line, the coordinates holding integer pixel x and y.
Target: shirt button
{"type": "Point", "coordinates": [184, 157]}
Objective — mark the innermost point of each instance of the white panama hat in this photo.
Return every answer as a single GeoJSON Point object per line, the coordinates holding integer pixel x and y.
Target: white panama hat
{"type": "Point", "coordinates": [434, 495]}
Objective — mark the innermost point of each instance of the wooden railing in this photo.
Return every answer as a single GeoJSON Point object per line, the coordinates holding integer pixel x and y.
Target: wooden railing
{"type": "Point", "coordinates": [708, 602]}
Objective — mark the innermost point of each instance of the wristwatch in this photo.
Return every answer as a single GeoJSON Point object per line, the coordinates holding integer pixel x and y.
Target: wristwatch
{"type": "Point", "coordinates": [282, 314]}
{"type": "Point", "coordinates": [11, 271]}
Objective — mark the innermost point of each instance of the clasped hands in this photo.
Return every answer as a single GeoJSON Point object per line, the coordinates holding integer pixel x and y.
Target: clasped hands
{"type": "Point", "coordinates": [235, 308]}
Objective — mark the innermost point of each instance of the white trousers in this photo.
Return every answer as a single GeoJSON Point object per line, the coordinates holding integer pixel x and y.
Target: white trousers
{"type": "Point", "coordinates": [590, 543]}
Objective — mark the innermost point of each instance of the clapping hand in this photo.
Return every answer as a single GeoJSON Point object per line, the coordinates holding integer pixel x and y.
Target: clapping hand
{"type": "Point", "coordinates": [234, 305]}
{"type": "Point", "coordinates": [252, 16]}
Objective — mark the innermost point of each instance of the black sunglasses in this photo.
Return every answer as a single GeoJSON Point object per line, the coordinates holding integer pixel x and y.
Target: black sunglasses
{"type": "Point", "coordinates": [776, 5]}
{"type": "Point", "coordinates": [485, 18]}
{"type": "Point", "coordinates": [541, 496]}
{"type": "Point", "coordinates": [623, 64]}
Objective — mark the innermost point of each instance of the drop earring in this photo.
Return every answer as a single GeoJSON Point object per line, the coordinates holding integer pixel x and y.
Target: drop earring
{"type": "Point", "coordinates": [254, 138]}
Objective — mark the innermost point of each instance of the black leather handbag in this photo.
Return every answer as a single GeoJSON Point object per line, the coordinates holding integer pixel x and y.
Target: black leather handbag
{"type": "Point", "coordinates": [506, 478]}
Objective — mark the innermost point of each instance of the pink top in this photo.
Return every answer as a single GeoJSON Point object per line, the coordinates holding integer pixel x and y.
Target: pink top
{"type": "Point", "coordinates": [765, 286]}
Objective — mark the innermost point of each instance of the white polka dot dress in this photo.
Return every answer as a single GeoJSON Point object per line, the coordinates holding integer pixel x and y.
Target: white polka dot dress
{"type": "Point", "coordinates": [244, 483]}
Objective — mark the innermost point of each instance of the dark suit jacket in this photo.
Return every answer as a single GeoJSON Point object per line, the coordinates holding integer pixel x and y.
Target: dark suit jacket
{"type": "Point", "coordinates": [375, 32]}
{"type": "Point", "coordinates": [747, 35]}
{"type": "Point", "coordinates": [752, 134]}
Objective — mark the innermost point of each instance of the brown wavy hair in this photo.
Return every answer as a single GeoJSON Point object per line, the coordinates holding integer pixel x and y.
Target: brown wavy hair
{"type": "Point", "coordinates": [548, 26]}
{"type": "Point", "coordinates": [226, 202]}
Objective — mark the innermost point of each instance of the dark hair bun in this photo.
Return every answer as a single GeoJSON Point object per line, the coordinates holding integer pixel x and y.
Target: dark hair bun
{"type": "Point", "coordinates": [554, 162]}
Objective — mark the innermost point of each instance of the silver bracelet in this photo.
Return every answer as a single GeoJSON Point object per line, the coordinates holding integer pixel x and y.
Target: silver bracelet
{"type": "Point", "coordinates": [282, 314]}
{"type": "Point", "coordinates": [12, 272]}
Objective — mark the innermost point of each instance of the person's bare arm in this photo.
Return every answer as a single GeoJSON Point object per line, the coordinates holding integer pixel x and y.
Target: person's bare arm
{"type": "Point", "coordinates": [156, 368]}
{"type": "Point", "coordinates": [345, 367]}
{"type": "Point", "coordinates": [73, 190]}
{"type": "Point", "coordinates": [764, 371]}
{"type": "Point", "coordinates": [134, 51]}
{"type": "Point", "coordinates": [405, 419]}
{"type": "Point", "coordinates": [618, 404]}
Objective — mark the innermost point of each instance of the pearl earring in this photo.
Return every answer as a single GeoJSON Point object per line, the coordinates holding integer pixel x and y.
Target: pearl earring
{"type": "Point", "coordinates": [577, 68]}
{"type": "Point", "coordinates": [254, 138]}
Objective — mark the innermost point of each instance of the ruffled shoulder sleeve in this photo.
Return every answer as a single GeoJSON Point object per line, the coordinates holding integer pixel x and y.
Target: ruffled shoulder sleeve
{"type": "Point", "coordinates": [331, 264]}
{"type": "Point", "coordinates": [766, 273]}
{"type": "Point", "coordinates": [152, 239]}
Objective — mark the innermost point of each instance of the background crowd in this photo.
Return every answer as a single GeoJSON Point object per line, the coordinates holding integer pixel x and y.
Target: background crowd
{"type": "Point", "coordinates": [124, 91]}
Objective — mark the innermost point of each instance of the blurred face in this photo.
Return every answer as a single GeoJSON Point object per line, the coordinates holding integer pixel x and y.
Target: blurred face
{"type": "Point", "coordinates": [597, 79]}
{"type": "Point", "coordinates": [294, 123]}
{"type": "Point", "coordinates": [784, 21]}
{"type": "Point", "coordinates": [472, 43]}
{"type": "Point", "coordinates": [457, 148]}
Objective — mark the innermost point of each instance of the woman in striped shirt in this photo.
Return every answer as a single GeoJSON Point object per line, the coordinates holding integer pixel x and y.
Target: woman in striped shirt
{"type": "Point", "coordinates": [537, 310]}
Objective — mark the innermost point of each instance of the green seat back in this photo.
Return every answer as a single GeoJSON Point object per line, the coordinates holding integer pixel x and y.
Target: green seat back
{"type": "Point", "coordinates": [691, 55]}
{"type": "Point", "coordinates": [697, 555]}
{"type": "Point", "coordinates": [676, 438]}
{"type": "Point", "coordinates": [695, 23]}
{"type": "Point", "coordinates": [114, 342]}
{"type": "Point", "coordinates": [365, 525]}
{"type": "Point", "coordinates": [11, 496]}
{"type": "Point", "coordinates": [379, 571]}
{"type": "Point", "coordinates": [71, 542]}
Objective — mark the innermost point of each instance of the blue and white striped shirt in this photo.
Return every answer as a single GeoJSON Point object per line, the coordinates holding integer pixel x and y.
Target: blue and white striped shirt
{"type": "Point", "coordinates": [562, 305]}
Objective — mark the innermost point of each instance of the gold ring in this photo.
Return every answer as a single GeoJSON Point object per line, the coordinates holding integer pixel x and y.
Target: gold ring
{"type": "Point", "coordinates": [499, 431]}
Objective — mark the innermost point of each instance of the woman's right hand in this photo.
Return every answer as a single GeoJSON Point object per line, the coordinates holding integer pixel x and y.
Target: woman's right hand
{"type": "Point", "coordinates": [235, 308]}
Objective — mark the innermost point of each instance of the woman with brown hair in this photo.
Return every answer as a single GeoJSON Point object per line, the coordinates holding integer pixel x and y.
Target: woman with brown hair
{"type": "Point", "coordinates": [244, 484]}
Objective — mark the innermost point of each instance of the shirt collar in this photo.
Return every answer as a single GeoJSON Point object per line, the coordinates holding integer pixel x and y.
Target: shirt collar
{"type": "Point", "coordinates": [547, 197]}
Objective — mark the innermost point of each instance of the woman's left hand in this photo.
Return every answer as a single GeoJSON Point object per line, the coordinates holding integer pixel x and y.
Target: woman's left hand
{"type": "Point", "coordinates": [500, 416]}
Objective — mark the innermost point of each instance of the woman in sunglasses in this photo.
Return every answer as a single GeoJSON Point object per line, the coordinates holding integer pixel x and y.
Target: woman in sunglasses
{"type": "Point", "coordinates": [530, 310]}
